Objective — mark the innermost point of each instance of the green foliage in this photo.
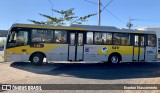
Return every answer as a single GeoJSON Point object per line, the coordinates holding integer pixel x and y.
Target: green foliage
{"type": "Point", "coordinates": [67, 17]}
{"type": "Point", "coordinates": [37, 22]}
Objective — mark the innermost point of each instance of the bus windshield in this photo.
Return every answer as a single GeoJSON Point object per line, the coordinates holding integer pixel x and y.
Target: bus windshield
{"type": "Point", "coordinates": [17, 38]}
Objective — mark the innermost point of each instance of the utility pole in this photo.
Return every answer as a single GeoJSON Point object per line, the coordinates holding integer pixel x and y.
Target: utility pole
{"type": "Point", "coordinates": [129, 24]}
{"type": "Point", "coordinates": [99, 12]}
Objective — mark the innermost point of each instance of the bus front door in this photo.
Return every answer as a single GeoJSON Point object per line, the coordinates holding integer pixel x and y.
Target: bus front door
{"type": "Point", "coordinates": [139, 48]}
{"type": "Point", "coordinates": [76, 46]}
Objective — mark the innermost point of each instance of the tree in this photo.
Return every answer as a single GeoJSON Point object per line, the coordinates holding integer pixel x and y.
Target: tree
{"type": "Point", "coordinates": [67, 17]}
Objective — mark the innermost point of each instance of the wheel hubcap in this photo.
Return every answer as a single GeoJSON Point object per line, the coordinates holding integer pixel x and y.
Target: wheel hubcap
{"type": "Point", "coordinates": [114, 59]}
{"type": "Point", "coordinates": [36, 59]}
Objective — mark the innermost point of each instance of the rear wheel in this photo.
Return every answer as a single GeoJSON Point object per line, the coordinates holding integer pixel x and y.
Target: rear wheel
{"type": "Point", "coordinates": [37, 59]}
{"type": "Point", "coordinates": [114, 59]}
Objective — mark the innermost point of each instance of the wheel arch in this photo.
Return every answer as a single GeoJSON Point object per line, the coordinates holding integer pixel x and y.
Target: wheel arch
{"type": "Point", "coordinates": [37, 52]}
{"type": "Point", "coordinates": [115, 53]}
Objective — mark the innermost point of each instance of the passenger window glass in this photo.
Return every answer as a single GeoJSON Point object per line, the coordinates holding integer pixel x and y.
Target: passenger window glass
{"type": "Point", "coordinates": [98, 38]}
{"type": "Point", "coordinates": [158, 42]}
{"type": "Point", "coordinates": [142, 40]}
{"type": "Point", "coordinates": [108, 38]}
{"type": "Point", "coordinates": [42, 36]}
{"type": "Point", "coordinates": [60, 36]}
{"type": "Point", "coordinates": [103, 38]}
{"type": "Point", "coordinates": [80, 39]}
{"type": "Point", "coordinates": [72, 39]}
{"type": "Point", "coordinates": [151, 40]}
{"type": "Point", "coordinates": [89, 37]}
{"type": "Point", "coordinates": [136, 41]}
{"type": "Point", "coordinates": [121, 39]}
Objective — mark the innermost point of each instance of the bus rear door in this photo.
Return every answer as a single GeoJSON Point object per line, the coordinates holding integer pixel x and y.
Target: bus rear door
{"type": "Point", "coordinates": [139, 48]}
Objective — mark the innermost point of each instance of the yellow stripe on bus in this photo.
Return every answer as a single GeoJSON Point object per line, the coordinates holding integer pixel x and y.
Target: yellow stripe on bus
{"type": "Point", "coordinates": [29, 50]}
{"type": "Point", "coordinates": [123, 50]}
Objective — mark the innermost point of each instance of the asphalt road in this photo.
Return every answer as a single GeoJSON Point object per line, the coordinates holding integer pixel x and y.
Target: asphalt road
{"type": "Point", "coordinates": [125, 73]}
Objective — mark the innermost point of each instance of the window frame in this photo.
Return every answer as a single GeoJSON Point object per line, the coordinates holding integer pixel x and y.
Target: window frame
{"type": "Point", "coordinates": [52, 41]}
{"type": "Point", "coordinates": [92, 38]}
{"type": "Point", "coordinates": [53, 35]}
{"type": "Point", "coordinates": [17, 29]}
{"type": "Point", "coordinates": [112, 33]}
{"type": "Point", "coordinates": [148, 39]}
{"type": "Point", "coordinates": [102, 32]}
{"type": "Point", "coordinates": [130, 44]}
{"type": "Point", "coordinates": [60, 42]}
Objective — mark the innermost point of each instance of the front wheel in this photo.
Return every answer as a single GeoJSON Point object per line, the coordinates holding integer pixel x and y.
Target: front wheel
{"type": "Point", "coordinates": [37, 59]}
{"type": "Point", "coordinates": [114, 59]}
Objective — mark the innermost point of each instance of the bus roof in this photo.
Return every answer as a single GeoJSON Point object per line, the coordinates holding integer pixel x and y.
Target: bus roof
{"type": "Point", "coordinates": [82, 28]}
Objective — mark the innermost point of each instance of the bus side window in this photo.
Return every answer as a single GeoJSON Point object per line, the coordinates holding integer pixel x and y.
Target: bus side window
{"type": "Point", "coordinates": [60, 36]}
{"type": "Point", "coordinates": [142, 41]}
{"type": "Point", "coordinates": [136, 43]}
{"type": "Point", "coordinates": [121, 39]}
{"type": "Point", "coordinates": [80, 39]}
{"type": "Point", "coordinates": [89, 37]}
{"type": "Point", "coordinates": [151, 40]}
{"type": "Point", "coordinates": [42, 36]}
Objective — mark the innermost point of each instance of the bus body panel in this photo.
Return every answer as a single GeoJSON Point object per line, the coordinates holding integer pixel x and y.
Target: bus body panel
{"type": "Point", "coordinates": [142, 54]}
{"type": "Point", "coordinates": [80, 54]}
{"type": "Point", "coordinates": [151, 53]}
{"type": "Point", "coordinates": [57, 52]}
{"type": "Point", "coordinates": [139, 54]}
{"type": "Point", "coordinates": [102, 52]}
{"type": "Point", "coordinates": [91, 53]}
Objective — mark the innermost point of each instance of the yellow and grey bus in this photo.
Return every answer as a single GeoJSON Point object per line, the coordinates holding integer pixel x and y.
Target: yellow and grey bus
{"type": "Point", "coordinates": [79, 43]}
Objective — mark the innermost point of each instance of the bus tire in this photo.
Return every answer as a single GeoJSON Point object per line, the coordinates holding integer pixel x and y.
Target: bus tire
{"type": "Point", "coordinates": [114, 59]}
{"type": "Point", "coordinates": [37, 59]}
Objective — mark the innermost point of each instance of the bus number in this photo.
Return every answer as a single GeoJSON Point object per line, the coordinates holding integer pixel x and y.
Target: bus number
{"type": "Point", "coordinates": [37, 45]}
{"type": "Point", "coordinates": [115, 47]}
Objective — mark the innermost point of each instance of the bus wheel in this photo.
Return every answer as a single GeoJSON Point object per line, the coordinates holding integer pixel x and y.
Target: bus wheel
{"type": "Point", "coordinates": [37, 59]}
{"type": "Point", "coordinates": [114, 59]}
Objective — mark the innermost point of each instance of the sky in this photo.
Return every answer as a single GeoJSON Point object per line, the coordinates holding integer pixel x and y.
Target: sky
{"type": "Point", "coordinates": [143, 12]}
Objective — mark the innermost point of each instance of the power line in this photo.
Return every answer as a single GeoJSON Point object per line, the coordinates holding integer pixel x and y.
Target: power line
{"type": "Point", "coordinates": [146, 20]}
{"type": "Point", "coordinates": [100, 4]}
{"type": "Point", "coordinates": [115, 16]}
{"type": "Point", "coordinates": [104, 8]}
{"type": "Point", "coordinates": [91, 2]}
{"type": "Point", "coordinates": [107, 5]}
